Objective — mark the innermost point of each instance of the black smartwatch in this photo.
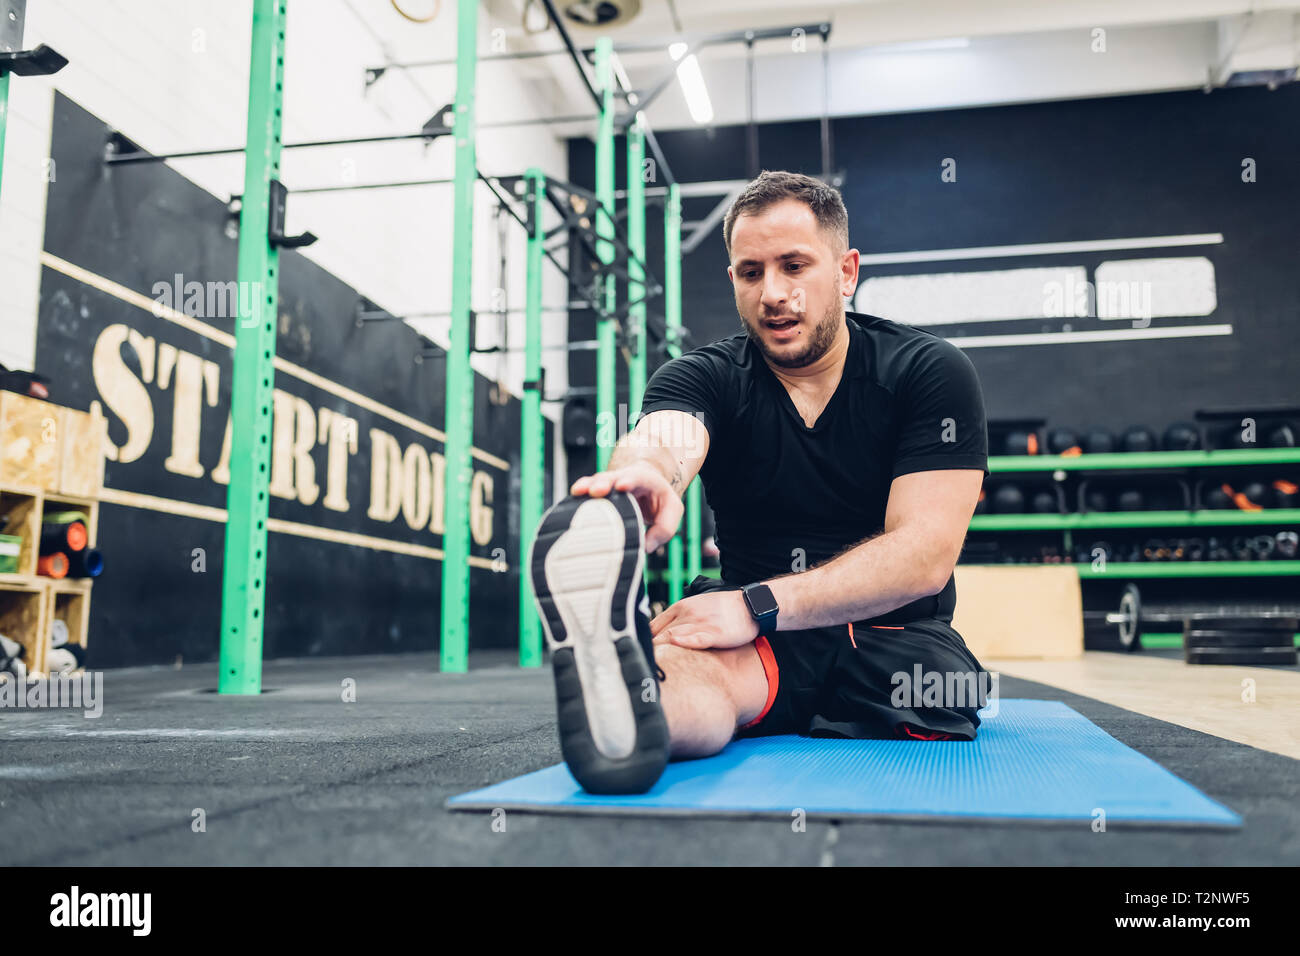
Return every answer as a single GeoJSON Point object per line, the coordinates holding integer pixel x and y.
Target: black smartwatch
{"type": "Point", "coordinates": [762, 607]}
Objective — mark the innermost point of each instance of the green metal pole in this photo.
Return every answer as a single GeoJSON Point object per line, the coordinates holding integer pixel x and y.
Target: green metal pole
{"type": "Point", "coordinates": [672, 320]}
{"type": "Point", "coordinates": [454, 643]}
{"type": "Point", "coordinates": [532, 455]}
{"type": "Point", "coordinates": [243, 594]}
{"type": "Point", "coordinates": [4, 119]}
{"type": "Point", "coordinates": [636, 246]}
{"type": "Point", "coordinates": [606, 351]}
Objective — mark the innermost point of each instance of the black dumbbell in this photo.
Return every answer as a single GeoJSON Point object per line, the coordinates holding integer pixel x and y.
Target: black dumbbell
{"type": "Point", "coordinates": [1008, 500]}
{"type": "Point", "coordinates": [1131, 500]}
{"type": "Point", "coordinates": [1217, 498]}
{"type": "Point", "coordinates": [1137, 439]}
{"type": "Point", "coordinates": [1022, 443]}
{"type": "Point", "coordinates": [1181, 436]}
{"type": "Point", "coordinates": [1098, 441]}
{"type": "Point", "coordinates": [1259, 494]}
{"type": "Point", "coordinates": [1285, 493]}
{"type": "Point", "coordinates": [1284, 435]}
{"type": "Point", "coordinates": [1044, 502]}
{"type": "Point", "coordinates": [1064, 441]}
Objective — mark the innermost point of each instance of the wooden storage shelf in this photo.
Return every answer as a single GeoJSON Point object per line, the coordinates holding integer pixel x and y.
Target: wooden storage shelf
{"type": "Point", "coordinates": [51, 461]}
{"type": "Point", "coordinates": [70, 603]}
{"type": "Point", "coordinates": [20, 515]}
{"type": "Point", "coordinates": [25, 617]}
{"type": "Point", "coordinates": [88, 506]}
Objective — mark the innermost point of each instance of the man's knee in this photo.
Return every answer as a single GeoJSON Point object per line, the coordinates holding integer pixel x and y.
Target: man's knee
{"type": "Point", "coordinates": [735, 672]}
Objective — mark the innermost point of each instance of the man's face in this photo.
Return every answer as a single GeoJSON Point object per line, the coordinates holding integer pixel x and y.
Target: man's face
{"type": "Point", "coordinates": [790, 281]}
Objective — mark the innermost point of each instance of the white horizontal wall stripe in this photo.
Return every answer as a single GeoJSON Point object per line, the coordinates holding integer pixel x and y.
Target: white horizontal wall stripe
{"type": "Point", "coordinates": [952, 297]}
{"type": "Point", "coordinates": [1043, 249]}
{"type": "Point", "coordinates": [1101, 335]}
{"type": "Point", "coordinates": [1131, 288]}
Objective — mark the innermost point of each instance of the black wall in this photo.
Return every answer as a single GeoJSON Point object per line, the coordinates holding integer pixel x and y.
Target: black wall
{"type": "Point", "coordinates": [1150, 165]}
{"type": "Point", "coordinates": [140, 225]}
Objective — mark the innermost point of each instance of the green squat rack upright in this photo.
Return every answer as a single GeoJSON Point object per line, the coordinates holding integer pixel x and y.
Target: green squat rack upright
{"type": "Point", "coordinates": [636, 255]}
{"type": "Point", "coordinates": [673, 330]}
{"type": "Point", "coordinates": [606, 350]}
{"type": "Point", "coordinates": [454, 640]}
{"type": "Point", "coordinates": [243, 594]}
{"type": "Point", "coordinates": [532, 454]}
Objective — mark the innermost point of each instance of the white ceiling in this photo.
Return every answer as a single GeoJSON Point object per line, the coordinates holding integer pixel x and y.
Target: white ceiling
{"type": "Point", "coordinates": [1010, 51]}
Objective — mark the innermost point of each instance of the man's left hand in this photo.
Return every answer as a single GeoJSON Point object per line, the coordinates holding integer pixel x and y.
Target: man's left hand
{"type": "Point", "coordinates": [716, 619]}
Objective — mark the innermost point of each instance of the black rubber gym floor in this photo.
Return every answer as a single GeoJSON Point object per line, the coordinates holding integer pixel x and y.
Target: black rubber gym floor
{"type": "Point", "coordinates": [298, 777]}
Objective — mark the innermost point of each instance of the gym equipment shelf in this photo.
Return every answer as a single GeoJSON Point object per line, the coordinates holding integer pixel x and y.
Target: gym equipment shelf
{"type": "Point", "coordinates": [1191, 569]}
{"type": "Point", "coordinates": [30, 602]}
{"type": "Point", "coordinates": [1133, 519]}
{"type": "Point", "coordinates": [1004, 464]}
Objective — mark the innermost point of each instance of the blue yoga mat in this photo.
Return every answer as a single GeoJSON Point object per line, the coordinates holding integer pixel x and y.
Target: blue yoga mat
{"type": "Point", "coordinates": [1032, 760]}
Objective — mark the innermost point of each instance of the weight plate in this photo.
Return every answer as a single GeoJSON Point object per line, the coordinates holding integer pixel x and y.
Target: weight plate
{"type": "Point", "coordinates": [1242, 622]}
{"type": "Point", "coordinates": [1209, 638]}
{"type": "Point", "coordinates": [1241, 655]}
{"type": "Point", "coordinates": [1130, 605]}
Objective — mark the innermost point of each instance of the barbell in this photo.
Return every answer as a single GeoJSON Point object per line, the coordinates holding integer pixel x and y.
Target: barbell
{"type": "Point", "coordinates": [1130, 617]}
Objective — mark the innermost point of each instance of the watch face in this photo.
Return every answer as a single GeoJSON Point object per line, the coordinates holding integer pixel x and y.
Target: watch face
{"type": "Point", "coordinates": [761, 600]}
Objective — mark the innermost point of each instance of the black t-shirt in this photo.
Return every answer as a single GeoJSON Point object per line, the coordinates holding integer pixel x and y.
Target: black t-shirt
{"type": "Point", "coordinates": [785, 496]}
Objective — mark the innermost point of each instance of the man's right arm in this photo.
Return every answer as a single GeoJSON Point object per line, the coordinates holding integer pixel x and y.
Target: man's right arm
{"type": "Point", "coordinates": [655, 463]}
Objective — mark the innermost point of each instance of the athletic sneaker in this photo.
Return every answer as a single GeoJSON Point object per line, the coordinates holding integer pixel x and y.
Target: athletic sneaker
{"type": "Point", "coordinates": [586, 564]}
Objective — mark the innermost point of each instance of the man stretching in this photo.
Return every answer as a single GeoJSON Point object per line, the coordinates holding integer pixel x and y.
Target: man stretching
{"type": "Point", "coordinates": [842, 455]}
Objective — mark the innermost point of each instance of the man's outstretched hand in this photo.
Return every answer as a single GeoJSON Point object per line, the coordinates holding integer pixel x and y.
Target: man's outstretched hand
{"type": "Point", "coordinates": [713, 619]}
{"type": "Point", "coordinates": [661, 507]}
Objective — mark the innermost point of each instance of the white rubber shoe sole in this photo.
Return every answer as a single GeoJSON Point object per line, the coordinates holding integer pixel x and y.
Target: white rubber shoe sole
{"type": "Point", "coordinates": [586, 563]}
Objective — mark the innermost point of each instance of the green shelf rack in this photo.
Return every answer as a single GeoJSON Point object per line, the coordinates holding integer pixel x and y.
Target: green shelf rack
{"type": "Point", "coordinates": [1010, 464]}
{"type": "Point", "coordinates": [1134, 519]}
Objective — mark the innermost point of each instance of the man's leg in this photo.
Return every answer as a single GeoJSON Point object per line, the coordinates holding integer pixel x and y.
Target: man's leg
{"type": "Point", "coordinates": [707, 695]}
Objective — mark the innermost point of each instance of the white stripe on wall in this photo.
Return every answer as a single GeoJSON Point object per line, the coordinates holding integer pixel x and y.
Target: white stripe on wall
{"type": "Point", "coordinates": [1043, 249]}
{"type": "Point", "coordinates": [950, 297]}
{"type": "Point", "coordinates": [1101, 335]}
{"type": "Point", "coordinates": [1149, 288]}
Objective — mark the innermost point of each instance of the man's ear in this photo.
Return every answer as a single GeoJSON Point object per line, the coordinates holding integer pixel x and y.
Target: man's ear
{"type": "Point", "coordinates": [849, 273]}
{"type": "Point", "coordinates": [731, 275]}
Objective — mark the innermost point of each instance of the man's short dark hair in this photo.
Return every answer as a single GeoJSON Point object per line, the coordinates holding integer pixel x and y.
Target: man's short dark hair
{"type": "Point", "coordinates": [773, 187]}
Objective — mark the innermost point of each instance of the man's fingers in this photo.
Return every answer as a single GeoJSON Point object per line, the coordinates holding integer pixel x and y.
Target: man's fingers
{"type": "Point", "coordinates": [597, 485]}
{"type": "Point", "coordinates": [690, 639]}
{"type": "Point", "coordinates": [661, 621]}
{"type": "Point", "coordinates": [667, 518]}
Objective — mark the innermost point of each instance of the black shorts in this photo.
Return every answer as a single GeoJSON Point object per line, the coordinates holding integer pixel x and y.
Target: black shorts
{"type": "Point", "coordinates": [916, 681]}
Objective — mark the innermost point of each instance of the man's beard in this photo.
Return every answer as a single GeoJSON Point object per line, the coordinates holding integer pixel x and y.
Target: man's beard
{"type": "Point", "coordinates": [819, 338]}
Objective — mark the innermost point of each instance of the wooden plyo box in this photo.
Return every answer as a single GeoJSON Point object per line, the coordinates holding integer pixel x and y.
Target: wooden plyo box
{"type": "Point", "coordinates": [29, 442]}
{"type": "Point", "coordinates": [47, 447]}
{"type": "Point", "coordinates": [1020, 611]}
{"type": "Point", "coordinates": [81, 458]}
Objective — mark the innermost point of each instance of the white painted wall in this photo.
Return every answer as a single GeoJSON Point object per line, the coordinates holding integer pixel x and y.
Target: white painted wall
{"type": "Point", "coordinates": [173, 75]}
